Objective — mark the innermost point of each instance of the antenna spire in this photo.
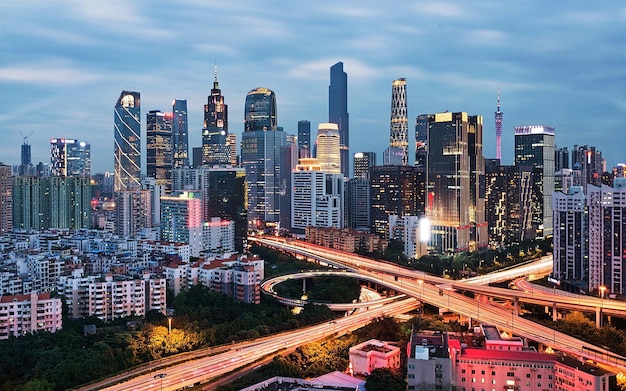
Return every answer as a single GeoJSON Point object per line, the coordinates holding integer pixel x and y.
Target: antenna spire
{"type": "Point", "coordinates": [215, 84]}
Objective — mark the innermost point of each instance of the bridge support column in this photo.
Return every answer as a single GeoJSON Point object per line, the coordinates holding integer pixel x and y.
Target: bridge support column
{"type": "Point", "coordinates": [516, 306]}
{"type": "Point", "coordinates": [554, 313]}
{"type": "Point", "coordinates": [598, 317]}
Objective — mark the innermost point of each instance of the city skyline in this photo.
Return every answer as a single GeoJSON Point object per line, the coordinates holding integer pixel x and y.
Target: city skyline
{"type": "Point", "coordinates": [63, 64]}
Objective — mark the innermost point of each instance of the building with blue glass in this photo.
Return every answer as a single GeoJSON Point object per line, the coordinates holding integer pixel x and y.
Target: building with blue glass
{"type": "Point", "coordinates": [127, 141]}
{"type": "Point", "coordinates": [180, 134]}
{"type": "Point", "coordinates": [338, 112]}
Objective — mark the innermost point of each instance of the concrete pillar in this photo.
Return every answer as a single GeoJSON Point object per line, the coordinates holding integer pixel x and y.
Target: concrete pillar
{"type": "Point", "coordinates": [598, 317]}
{"type": "Point", "coordinates": [554, 313]}
{"type": "Point", "coordinates": [516, 306]}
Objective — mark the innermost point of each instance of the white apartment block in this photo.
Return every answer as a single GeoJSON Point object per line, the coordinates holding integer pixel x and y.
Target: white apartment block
{"type": "Point", "coordinates": [25, 314]}
{"type": "Point", "coordinates": [181, 250]}
{"type": "Point", "coordinates": [407, 229]}
{"type": "Point", "coordinates": [372, 354]}
{"type": "Point", "coordinates": [218, 236]}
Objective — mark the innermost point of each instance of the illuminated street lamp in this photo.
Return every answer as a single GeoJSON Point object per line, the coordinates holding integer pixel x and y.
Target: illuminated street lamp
{"type": "Point", "coordinates": [169, 325]}
{"type": "Point", "coordinates": [160, 376]}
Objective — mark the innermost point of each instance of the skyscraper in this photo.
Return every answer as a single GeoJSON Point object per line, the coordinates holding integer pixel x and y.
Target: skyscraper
{"type": "Point", "coordinates": [180, 134]}
{"type": "Point", "coordinates": [363, 162]}
{"type": "Point", "coordinates": [215, 128]}
{"type": "Point", "coordinates": [304, 139]}
{"type": "Point", "coordinates": [534, 146]}
{"type": "Point", "coordinates": [498, 120]}
{"type": "Point", "coordinates": [127, 145]}
{"type": "Point", "coordinates": [261, 144]}
{"type": "Point", "coordinates": [328, 148]}
{"type": "Point", "coordinates": [450, 146]}
{"type": "Point", "coordinates": [26, 164]}
{"type": "Point", "coordinates": [338, 112]}
{"type": "Point", "coordinates": [69, 157]}
{"type": "Point", "coordinates": [133, 211]}
{"type": "Point", "coordinates": [399, 125]}
{"type": "Point", "coordinates": [6, 199]}
{"type": "Point", "coordinates": [588, 160]}
{"type": "Point", "coordinates": [159, 147]}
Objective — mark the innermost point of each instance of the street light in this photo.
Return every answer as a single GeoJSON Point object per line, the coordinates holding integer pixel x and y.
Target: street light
{"type": "Point", "coordinates": [160, 376]}
{"type": "Point", "coordinates": [169, 325]}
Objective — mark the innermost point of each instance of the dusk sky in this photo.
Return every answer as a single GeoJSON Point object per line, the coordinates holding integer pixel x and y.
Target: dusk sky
{"type": "Point", "coordinates": [63, 64]}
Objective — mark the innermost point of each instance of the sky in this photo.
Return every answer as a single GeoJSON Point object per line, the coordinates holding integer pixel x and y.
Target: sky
{"type": "Point", "coordinates": [562, 63]}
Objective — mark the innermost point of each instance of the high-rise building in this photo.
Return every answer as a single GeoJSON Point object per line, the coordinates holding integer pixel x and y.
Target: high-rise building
{"type": "Point", "coordinates": [261, 144]}
{"type": "Point", "coordinates": [393, 156]}
{"type": "Point", "coordinates": [363, 162]}
{"type": "Point", "coordinates": [224, 195]}
{"type": "Point", "coordinates": [561, 158]}
{"type": "Point", "coordinates": [317, 198]}
{"type": "Point", "coordinates": [26, 163]}
{"type": "Point", "coordinates": [51, 202]}
{"type": "Point", "coordinates": [6, 199]}
{"type": "Point", "coordinates": [534, 146]}
{"type": "Point", "coordinates": [159, 147]}
{"type": "Point", "coordinates": [68, 157]}
{"type": "Point", "coordinates": [393, 192]}
{"type": "Point", "coordinates": [588, 160]}
{"type": "Point", "coordinates": [358, 204]}
{"type": "Point", "coordinates": [127, 145]}
{"type": "Point", "coordinates": [328, 148]}
{"type": "Point", "coordinates": [571, 233]}
{"type": "Point", "coordinates": [215, 128]}
{"type": "Point", "coordinates": [399, 125]}
{"type": "Point", "coordinates": [450, 147]}
{"type": "Point", "coordinates": [304, 139]}
{"type": "Point", "coordinates": [508, 198]}
{"type": "Point", "coordinates": [133, 211]}
{"type": "Point", "coordinates": [231, 148]}
{"type": "Point", "coordinates": [338, 112]}
{"type": "Point", "coordinates": [180, 134]}
{"type": "Point", "coordinates": [288, 162]}
{"type": "Point", "coordinates": [181, 220]}
{"type": "Point", "coordinates": [498, 121]}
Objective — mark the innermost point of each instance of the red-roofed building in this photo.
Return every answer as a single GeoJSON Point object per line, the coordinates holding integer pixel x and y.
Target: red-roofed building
{"type": "Point", "coordinates": [24, 314]}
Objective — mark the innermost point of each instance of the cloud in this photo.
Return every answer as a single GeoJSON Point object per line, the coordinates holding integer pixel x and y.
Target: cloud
{"type": "Point", "coordinates": [436, 8]}
{"type": "Point", "coordinates": [487, 37]}
{"type": "Point", "coordinates": [50, 72]}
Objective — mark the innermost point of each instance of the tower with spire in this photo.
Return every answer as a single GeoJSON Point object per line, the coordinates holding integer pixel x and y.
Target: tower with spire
{"type": "Point", "coordinates": [215, 149]}
{"type": "Point", "coordinates": [498, 118]}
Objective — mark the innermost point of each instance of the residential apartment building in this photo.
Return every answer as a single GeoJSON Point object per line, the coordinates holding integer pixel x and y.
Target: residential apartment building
{"type": "Point", "coordinates": [26, 314]}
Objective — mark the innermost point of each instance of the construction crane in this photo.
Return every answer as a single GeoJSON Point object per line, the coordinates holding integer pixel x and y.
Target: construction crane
{"type": "Point", "coordinates": [25, 137]}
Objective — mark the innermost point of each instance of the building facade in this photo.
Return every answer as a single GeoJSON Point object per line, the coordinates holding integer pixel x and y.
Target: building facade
{"type": "Point", "coordinates": [133, 212]}
{"type": "Point", "coordinates": [181, 219]}
{"type": "Point", "coordinates": [328, 148]}
{"type": "Point", "coordinates": [180, 134]}
{"type": "Point", "coordinates": [69, 157]}
{"type": "Point", "coordinates": [363, 162]}
{"type": "Point", "coordinates": [358, 204]}
{"type": "Point", "coordinates": [27, 314]}
{"type": "Point", "coordinates": [215, 149]}
{"type": "Point", "coordinates": [338, 112]}
{"type": "Point", "coordinates": [304, 139]}
{"type": "Point", "coordinates": [534, 146]}
{"type": "Point", "coordinates": [127, 144]}
{"type": "Point", "coordinates": [6, 199]}
{"type": "Point", "coordinates": [159, 151]}
{"type": "Point", "coordinates": [399, 125]}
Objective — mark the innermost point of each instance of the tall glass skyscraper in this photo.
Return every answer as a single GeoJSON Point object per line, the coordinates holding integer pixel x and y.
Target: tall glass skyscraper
{"type": "Point", "coordinates": [304, 139]}
{"type": "Point", "coordinates": [69, 157]}
{"type": "Point", "coordinates": [534, 146]}
{"type": "Point", "coordinates": [261, 143]}
{"type": "Point", "coordinates": [328, 147]}
{"type": "Point", "coordinates": [215, 149]}
{"type": "Point", "coordinates": [338, 112]}
{"type": "Point", "coordinates": [399, 126]}
{"type": "Point", "coordinates": [159, 147]}
{"type": "Point", "coordinates": [127, 145]}
{"type": "Point", "coordinates": [180, 134]}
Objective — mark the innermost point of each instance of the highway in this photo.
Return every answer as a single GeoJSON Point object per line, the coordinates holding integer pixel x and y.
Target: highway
{"type": "Point", "coordinates": [441, 293]}
{"type": "Point", "coordinates": [202, 370]}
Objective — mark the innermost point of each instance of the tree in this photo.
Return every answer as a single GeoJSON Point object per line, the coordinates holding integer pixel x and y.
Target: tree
{"type": "Point", "coordinates": [385, 379]}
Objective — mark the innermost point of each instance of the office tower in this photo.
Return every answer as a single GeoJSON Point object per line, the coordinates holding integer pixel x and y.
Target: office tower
{"type": "Point", "coordinates": [261, 143]}
{"type": "Point", "coordinates": [68, 157]}
{"type": "Point", "coordinates": [399, 126]}
{"type": "Point", "coordinates": [571, 233]}
{"type": "Point", "coordinates": [127, 145]}
{"type": "Point", "coordinates": [561, 158]}
{"type": "Point", "coordinates": [180, 134]}
{"type": "Point", "coordinates": [181, 220]}
{"type": "Point", "coordinates": [393, 156]}
{"type": "Point", "coordinates": [288, 162]}
{"type": "Point", "coordinates": [26, 164]}
{"type": "Point", "coordinates": [358, 203]}
{"type": "Point", "coordinates": [159, 147]}
{"type": "Point", "coordinates": [607, 230]}
{"type": "Point", "coordinates": [449, 156]}
{"type": "Point", "coordinates": [590, 163]}
{"type": "Point", "coordinates": [51, 202]}
{"type": "Point", "coordinates": [498, 121]}
{"type": "Point", "coordinates": [328, 148]}
{"type": "Point", "coordinates": [196, 153]}
{"type": "Point", "coordinates": [215, 128]}
{"type": "Point", "coordinates": [6, 199]}
{"type": "Point", "coordinates": [338, 112]}
{"type": "Point", "coordinates": [393, 192]}
{"type": "Point", "coordinates": [133, 211]}
{"type": "Point", "coordinates": [304, 139]}
{"type": "Point", "coordinates": [231, 149]}
{"type": "Point", "coordinates": [508, 199]}
{"type": "Point", "coordinates": [534, 146]}
{"type": "Point", "coordinates": [317, 198]}
{"type": "Point", "coordinates": [224, 195]}
{"type": "Point", "coordinates": [362, 163]}
{"type": "Point", "coordinates": [156, 191]}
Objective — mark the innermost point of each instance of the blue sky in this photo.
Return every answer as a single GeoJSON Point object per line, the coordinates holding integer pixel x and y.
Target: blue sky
{"type": "Point", "coordinates": [63, 64]}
